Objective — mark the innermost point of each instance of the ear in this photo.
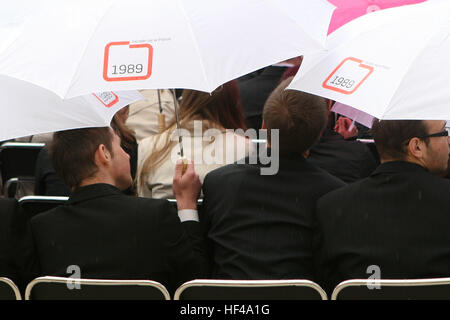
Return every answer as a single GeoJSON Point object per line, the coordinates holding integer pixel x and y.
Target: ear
{"type": "Point", "coordinates": [102, 155]}
{"type": "Point", "coordinates": [416, 148]}
{"type": "Point", "coordinates": [263, 126]}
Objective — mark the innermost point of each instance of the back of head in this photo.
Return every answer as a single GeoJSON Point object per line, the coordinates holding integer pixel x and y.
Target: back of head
{"type": "Point", "coordinates": [391, 136]}
{"type": "Point", "coordinates": [299, 116]}
{"type": "Point", "coordinates": [223, 106]}
{"type": "Point", "coordinates": [73, 153]}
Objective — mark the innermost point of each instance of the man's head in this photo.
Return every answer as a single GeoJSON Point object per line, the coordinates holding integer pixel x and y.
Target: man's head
{"type": "Point", "coordinates": [419, 141]}
{"type": "Point", "coordinates": [91, 155]}
{"type": "Point", "coordinates": [299, 116]}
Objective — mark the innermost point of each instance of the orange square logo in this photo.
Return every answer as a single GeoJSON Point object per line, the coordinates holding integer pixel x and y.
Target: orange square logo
{"type": "Point", "coordinates": [107, 98]}
{"type": "Point", "coordinates": [125, 62]}
{"type": "Point", "coordinates": [348, 76]}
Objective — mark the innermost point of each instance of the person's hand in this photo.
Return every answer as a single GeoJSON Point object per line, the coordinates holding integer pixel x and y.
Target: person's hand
{"type": "Point", "coordinates": [346, 128]}
{"type": "Point", "coordinates": [186, 185]}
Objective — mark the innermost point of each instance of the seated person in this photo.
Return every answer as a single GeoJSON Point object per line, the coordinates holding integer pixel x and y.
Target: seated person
{"type": "Point", "coordinates": [259, 226]}
{"type": "Point", "coordinates": [143, 117]}
{"type": "Point", "coordinates": [204, 119]}
{"type": "Point", "coordinates": [107, 234]}
{"type": "Point", "coordinates": [16, 259]}
{"type": "Point", "coordinates": [396, 219]}
{"type": "Point", "coordinates": [349, 160]}
{"type": "Point", "coordinates": [47, 183]}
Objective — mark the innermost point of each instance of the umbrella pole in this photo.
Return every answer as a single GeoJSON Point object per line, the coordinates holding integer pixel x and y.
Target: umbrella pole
{"type": "Point", "coordinates": [180, 138]}
{"type": "Point", "coordinates": [161, 116]}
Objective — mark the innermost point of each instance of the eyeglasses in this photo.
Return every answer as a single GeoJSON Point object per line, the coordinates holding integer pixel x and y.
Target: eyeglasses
{"type": "Point", "coordinates": [438, 134]}
{"type": "Point", "coordinates": [444, 133]}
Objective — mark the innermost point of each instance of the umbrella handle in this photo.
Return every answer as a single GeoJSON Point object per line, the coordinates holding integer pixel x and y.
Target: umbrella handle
{"type": "Point", "coordinates": [161, 122]}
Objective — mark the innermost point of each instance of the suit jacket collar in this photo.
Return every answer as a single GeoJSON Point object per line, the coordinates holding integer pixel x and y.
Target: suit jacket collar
{"type": "Point", "coordinates": [93, 191]}
{"type": "Point", "coordinates": [398, 167]}
{"type": "Point", "coordinates": [286, 161]}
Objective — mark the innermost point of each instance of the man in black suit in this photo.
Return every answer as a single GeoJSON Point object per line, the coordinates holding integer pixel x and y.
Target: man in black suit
{"type": "Point", "coordinates": [395, 223]}
{"type": "Point", "coordinates": [107, 234]}
{"type": "Point", "coordinates": [259, 226]}
{"type": "Point", "coordinates": [256, 87]}
{"type": "Point", "coordinates": [254, 92]}
{"type": "Point", "coordinates": [16, 252]}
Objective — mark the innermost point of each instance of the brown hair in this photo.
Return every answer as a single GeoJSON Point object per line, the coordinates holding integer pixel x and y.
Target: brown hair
{"type": "Point", "coordinates": [73, 153]}
{"type": "Point", "coordinates": [221, 109]}
{"type": "Point", "coordinates": [126, 135]}
{"type": "Point", "coordinates": [299, 116]}
{"type": "Point", "coordinates": [391, 136]}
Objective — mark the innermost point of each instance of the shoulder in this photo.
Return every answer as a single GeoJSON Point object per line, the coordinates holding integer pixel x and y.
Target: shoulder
{"type": "Point", "coordinates": [344, 193]}
{"type": "Point", "coordinates": [147, 144]}
{"type": "Point", "coordinates": [324, 176]}
{"type": "Point", "coordinates": [148, 141]}
{"type": "Point", "coordinates": [152, 203]}
{"type": "Point", "coordinates": [225, 175]}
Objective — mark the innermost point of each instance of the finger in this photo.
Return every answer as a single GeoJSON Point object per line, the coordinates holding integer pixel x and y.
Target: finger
{"type": "Point", "coordinates": [189, 167]}
{"type": "Point", "coordinates": [178, 169]}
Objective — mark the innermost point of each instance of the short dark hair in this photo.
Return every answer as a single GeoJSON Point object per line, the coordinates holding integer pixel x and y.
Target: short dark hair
{"type": "Point", "coordinates": [391, 136]}
{"type": "Point", "coordinates": [300, 117]}
{"type": "Point", "coordinates": [73, 153]}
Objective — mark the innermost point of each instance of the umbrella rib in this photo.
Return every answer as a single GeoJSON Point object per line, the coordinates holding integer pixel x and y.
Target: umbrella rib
{"type": "Point", "coordinates": [321, 45]}
{"type": "Point", "coordinates": [195, 43]}
{"type": "Point", "coordinates": [87, 45]}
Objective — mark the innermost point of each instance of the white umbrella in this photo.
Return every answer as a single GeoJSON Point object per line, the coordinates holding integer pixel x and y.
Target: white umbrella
{"type": "Point", "coordinates": [75, 47]}
{"type": "Point", "coordinates": [28, 109]}
{"type": "Point", "coordinates": [391, 64]}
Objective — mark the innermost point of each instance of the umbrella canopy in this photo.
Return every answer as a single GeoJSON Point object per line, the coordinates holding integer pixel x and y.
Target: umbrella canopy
{"type": "Point", "coordinates": [28, 109]}
{"type": "Point", "coordinates": [75, 47]}
{"type": "Point", "coordinates": [347, 10]}
{"type": "Point", "coordinates": [391, 64]}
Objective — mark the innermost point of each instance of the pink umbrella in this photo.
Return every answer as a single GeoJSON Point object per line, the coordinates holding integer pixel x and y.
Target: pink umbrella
{"type": "Point", "coordinates": [354, 114]}
{"type": "Point", "coordinates": [348, 10]}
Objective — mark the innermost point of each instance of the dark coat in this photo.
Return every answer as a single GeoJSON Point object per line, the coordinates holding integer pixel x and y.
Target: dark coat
{"type": "Point", "coordinates": [260, 226]}
{"type": "Point", "coordinates": [111, 235]}
{"type": "Point", "coordinates": [349, 160]}
{"type": "Point", "coordinates": [16, 250]}
{"type": "Point", "coordinates": [397, 219]}
{"type": "Point", "coordinates": [254, 92]}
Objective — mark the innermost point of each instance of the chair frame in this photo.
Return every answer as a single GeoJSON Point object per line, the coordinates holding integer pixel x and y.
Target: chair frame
{"type": "Point", "coordinates": [249, 284]}
{"type": "Point", "coordinates": [388, 283]}
{"type": "Point", "coordinates": [42, 198]}
{"type": "Point", "coordinates": [96, 282]}
{"type": "Point", "coordinates": [13, 286]}
{"type": "Point", "coordinates": [9, 145]}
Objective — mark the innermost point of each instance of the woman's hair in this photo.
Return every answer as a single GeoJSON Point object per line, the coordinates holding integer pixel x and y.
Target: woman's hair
{"type": "Point", "coordinates": [222, 109]}
{"type": "Point", "coordinates": [126, 135]}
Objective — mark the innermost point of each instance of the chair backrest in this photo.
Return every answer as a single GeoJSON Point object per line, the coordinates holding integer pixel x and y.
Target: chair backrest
{"type": "Point", "coordinates": [60, 288]}
{"type": "Point", "coordinates": [18, 159]}
{"type": "Point", "coordinates": [390, 289]}
{"type": "Point", "coordinates": [33, 205]}
{"type": "Point", "coordinates": [8, 290]}
{"type": "Point", "coordinates": [207, 289]}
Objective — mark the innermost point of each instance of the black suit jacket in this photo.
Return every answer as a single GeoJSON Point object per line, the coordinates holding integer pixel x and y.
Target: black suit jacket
{"type": "Point", "coordinates": [254, 92]}
{"type": "Point", "coordinates": [16, 252]}
{"type": "Point", "coordinates": [260, 226]}
{"type": "Point", "coordinates": [397, 219]}
{"type": "Point", "coordinates": [111, 235]}
{"type": "Point", "coordinates": [349, 160]}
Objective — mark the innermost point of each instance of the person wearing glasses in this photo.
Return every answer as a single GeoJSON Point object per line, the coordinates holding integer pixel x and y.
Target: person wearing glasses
{"type": "Point", "coordinates": [395, 223]}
